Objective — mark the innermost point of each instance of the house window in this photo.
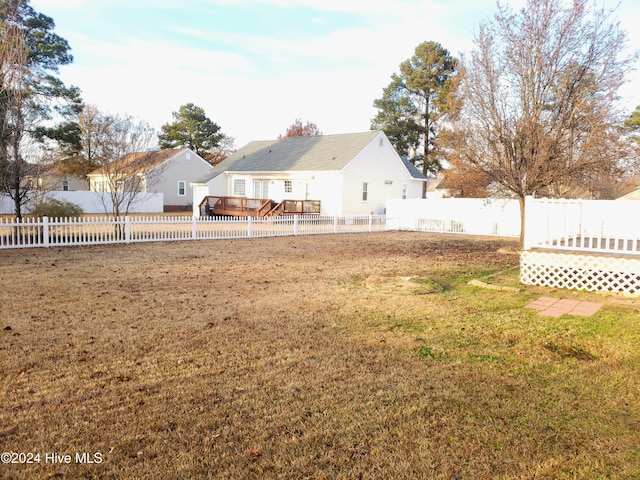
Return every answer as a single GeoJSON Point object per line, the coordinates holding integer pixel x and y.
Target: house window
{"type": "Point", "coordinates": [239, 187]}
{"type": "Point", "coordinates": [261, 189]}
{"type": "Point", "coordinates": [182, 188]}
{"type": "Point", "coordinates": [288, 186]}
{"type": "Point", "coordinates": [365, 191]}
{"type": "Point", "coordinates": [65, 185]}
{"type": "Point", "coordinates": [404, 192]}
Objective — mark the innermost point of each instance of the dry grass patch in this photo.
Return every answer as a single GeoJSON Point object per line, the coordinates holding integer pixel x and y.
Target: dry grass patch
{"type": "Point", "coordinates": [296, 357]}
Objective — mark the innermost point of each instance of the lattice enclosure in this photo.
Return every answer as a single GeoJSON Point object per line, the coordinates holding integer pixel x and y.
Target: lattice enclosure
{"type": "Point", "coordinates": [580, 272]}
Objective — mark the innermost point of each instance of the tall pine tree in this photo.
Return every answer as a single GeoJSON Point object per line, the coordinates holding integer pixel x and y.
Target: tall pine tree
{"type": "Point", "coordinates": [31, 95]}
{"type": "Point", "coordinates": [414, 102]}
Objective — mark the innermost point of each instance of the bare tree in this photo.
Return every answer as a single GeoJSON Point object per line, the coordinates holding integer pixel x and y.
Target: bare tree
{"type": "Point", "coordinates": [226, 147]}
{"type": "Point", "coordinates": [119, 148]}
{"type": "Point", "coordinates": [34, 103]}
{"type": "Point", "coordinates": [540, 92]}
{"type": "Point", "coordinates": [13, 63]}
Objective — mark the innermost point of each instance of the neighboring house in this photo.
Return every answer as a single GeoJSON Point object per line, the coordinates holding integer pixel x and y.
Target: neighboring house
{"type": "Point", "coordinates": [169, 172]}
{"type": "Point", "coordinates": [434, 188]}
{"type": "Point", "coordinates": [53, 177]}
{"type": "Point", "coordinates": [351, 174]}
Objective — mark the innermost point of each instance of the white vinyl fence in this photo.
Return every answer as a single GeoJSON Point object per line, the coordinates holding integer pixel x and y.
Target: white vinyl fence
{"type": "Point", "coordinates": [90, 202]}
{"type": "Point", "coordinates": [47, 232]}
{"type": "Point", "coordinates": [470, 216]}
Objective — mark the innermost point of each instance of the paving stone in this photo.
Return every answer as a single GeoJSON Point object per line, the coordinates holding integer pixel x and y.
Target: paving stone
{"type": "Point", "coordinates": [542, 303]}
{"type": "Point", "coordinates": [554, 307]}
{"type": "Point", "coordinates": [566, 303]}
{"type": "Point", "coordinates": [586, 309]}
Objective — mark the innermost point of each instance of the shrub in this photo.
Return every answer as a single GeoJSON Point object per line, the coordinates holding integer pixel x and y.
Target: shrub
{"type": "Point", "coordinates": [52, 207]}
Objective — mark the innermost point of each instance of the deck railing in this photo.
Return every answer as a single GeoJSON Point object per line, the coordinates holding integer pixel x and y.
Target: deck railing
{"type": "Point", "coordinates": [596, 226]}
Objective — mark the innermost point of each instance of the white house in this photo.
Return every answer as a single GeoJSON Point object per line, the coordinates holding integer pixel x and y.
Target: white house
{"type": "Point", "coordinates": [350, 174]}
{"type": "Point", "coordinates": [169, 172]}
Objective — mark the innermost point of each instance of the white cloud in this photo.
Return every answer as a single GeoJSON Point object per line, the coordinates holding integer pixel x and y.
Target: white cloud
{"type": "Point", "coordinates": [253, 84]}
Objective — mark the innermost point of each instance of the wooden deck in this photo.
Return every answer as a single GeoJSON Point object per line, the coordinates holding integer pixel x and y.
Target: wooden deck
{"type": "Point", "coordinates": [256, 207]}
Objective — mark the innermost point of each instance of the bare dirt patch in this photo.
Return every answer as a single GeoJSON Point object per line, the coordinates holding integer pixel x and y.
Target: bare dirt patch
{"type": "Point", "coordinates": [286, 358]}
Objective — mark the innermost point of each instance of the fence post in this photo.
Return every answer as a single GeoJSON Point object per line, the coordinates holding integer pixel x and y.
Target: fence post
{"type": "Point", "coordinates": [194, 228]}
{"type": "Point", "coordinates": [529, 223]}
{"type": "Point", "coordinates": [249, 226]}
{"type": "Point", "coordinates": [370, 222]}
{"type": "Point", "coordinates": [45, 231]}
{"type": "Point", "coordinates": [295, 224]}
{"type": "Point", "coordinates": [335, 224]}
{"type": "Point", "coordinates": [127, 229]}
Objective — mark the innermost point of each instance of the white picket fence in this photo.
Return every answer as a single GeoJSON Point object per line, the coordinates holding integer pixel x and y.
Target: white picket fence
{"type": "Point", "coordinates": [47, 232]}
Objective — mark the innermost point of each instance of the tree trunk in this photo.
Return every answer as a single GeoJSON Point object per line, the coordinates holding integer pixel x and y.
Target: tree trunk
{"type": "Point", "coordinates": [16, 180]}
{"type": "Point", "coordinates": [522, 220]}
{"type": "Point", "coordinates": [425, 164]}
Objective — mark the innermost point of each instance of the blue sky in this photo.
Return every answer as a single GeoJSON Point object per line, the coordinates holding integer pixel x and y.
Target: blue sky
{"type": "Point", "coordinates": [257, 65]}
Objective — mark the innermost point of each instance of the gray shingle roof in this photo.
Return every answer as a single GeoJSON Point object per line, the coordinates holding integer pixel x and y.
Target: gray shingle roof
{"type": "Point", "coordinates": [322, 152]}
{"type": "Point", "coordinates": [413, 170]}
{"type": "Point", "coordinates": [141, 161]}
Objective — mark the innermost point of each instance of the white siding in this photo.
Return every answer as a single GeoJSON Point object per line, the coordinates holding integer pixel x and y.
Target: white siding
{"type": "Point", "coordinates": [382, 169]}
{"type": "Point", "coordinates": [326, 187]}
{"type": "Point", "coordinates": [199, 192]}
{"type": "Point", "coordinates": [165, 177]}
{"type": "Point", "coordinates": [339, 192]}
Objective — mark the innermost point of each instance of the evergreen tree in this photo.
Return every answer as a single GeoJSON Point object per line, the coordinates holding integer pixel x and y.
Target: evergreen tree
{"type": "Point", "coordinates": [191, 128]}
{"type": "Point", "coordinates": [414, 102]}
{"type": "Point", "coordinates": [31, 95]}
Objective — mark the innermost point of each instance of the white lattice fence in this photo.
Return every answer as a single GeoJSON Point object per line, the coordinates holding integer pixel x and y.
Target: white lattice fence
{"type": "Point", "coordinates": [580, 271]}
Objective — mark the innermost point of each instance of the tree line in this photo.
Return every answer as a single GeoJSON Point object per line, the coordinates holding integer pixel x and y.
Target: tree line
{"type": "Point", "coordinates": [532, 111]}
{"type": "Point", "coordinates": [45, 124]}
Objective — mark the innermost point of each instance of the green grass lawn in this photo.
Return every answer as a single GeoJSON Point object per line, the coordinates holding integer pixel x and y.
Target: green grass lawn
{"type": "Point", "coordinates": [346, 356]}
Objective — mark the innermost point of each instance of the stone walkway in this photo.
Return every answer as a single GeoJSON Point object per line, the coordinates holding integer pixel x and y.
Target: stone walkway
{"type": "Point", "coordinates": [554, 307]}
